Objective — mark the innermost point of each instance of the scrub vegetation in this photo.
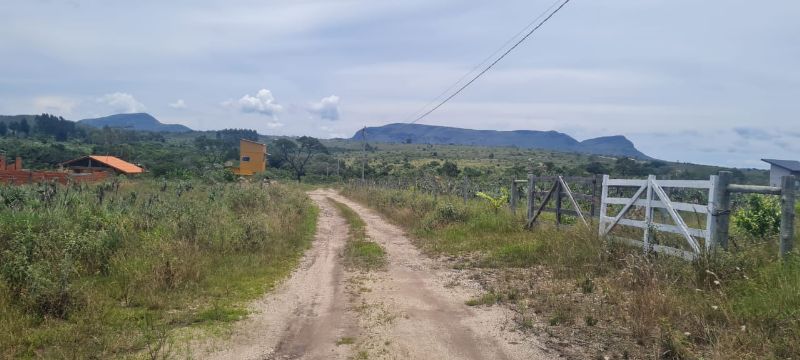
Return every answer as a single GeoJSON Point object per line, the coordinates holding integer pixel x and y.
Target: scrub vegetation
{"type": "Point", "coordinates": [118, 269]}
{"type": "Point", "coordinates": [573, 285]}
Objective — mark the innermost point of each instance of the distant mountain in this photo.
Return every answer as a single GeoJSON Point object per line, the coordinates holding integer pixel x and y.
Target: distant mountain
{"type": "Point", "coordinates": [136, 121]}
{"type": "Point", "coordinates": [530, 139]}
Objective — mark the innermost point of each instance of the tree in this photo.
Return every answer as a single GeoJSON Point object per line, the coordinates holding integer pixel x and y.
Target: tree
{"type": "Point", "coordinates": [55, 126]}
{"type": "Point", "coordinates": [24, 127]}
{"type": "Point", "coordinates": [596, 168]}
{"type": "Point", "coordinates": [628, 167]}
{"type": "Point", "coordinates": [214, 150]}
{"type": "Point", "coordinates": [449, 169]}
{"type": "Point", "coordinates": [297, 154]}
{"type": "Point", "coordinates": [3, 129]}
{"type": "Point", "coordinates": [232, 136]}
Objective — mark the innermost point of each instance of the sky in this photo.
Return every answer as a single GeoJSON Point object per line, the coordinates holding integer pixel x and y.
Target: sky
{"type": "Point", "coordinates": [712, 82]}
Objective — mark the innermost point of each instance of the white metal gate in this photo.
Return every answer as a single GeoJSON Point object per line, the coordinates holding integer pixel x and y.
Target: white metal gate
{"type": "Point", "coordinates": [656, 198]}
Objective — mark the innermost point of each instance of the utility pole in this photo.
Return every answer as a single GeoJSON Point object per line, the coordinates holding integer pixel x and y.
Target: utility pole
{"type": "Point", "coordinates": [364, 147]}
{"type": "Point", "coordinates": [337, 166]}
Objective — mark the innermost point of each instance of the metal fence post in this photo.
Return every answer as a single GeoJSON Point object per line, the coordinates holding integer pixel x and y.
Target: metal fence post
{"type": "Point", "coordinates": [721, 209]}
{"type": "Point", "coordinates": [787, 214]}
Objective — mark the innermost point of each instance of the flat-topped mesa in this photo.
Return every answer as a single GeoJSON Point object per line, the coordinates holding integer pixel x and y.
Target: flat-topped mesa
{"type": "Point", "coordinates": [617, 145]}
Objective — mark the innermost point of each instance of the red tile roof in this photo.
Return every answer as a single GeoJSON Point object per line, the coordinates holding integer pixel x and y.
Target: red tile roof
{"type": "Point", "coordinates": [113, 162]}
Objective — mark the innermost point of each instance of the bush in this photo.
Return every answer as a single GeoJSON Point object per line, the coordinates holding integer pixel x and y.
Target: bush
{"type": "Point", "coordinates": [760, 216]}
{"type": "Point", "coordinates": [445, 214]}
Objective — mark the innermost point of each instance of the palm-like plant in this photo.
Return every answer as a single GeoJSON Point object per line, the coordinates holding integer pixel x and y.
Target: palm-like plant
{"type": "Point", "coordinates": [495, 202]}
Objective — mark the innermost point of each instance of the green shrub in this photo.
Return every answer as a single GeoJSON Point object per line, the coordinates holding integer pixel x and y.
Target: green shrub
{"type": "Point", "coordinates": [760, 216]}
{"type": "Point", "coordinates": [445, 214]}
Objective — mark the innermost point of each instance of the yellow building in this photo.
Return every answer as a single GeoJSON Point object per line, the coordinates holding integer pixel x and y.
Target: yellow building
{"type": "Point", "coordinates": [252, 158]}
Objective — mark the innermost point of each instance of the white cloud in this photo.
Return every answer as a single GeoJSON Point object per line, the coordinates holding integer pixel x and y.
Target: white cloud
{"type": "Point", "coordinates": [180, 104]}
{"type": "Point", "coordinates": [262, 103]}
{"type": "Point", "coordinates": [122, 102]}
{"type": "Point", "coordinates": [327, 108]}
{"type": "Point", "coordinates": [55, 105]}
{"type": "Point", "coordinates": [274, 125]}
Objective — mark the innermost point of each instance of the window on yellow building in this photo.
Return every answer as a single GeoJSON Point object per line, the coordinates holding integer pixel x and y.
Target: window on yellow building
{"type": "Point", "coordinates": [245, 158]}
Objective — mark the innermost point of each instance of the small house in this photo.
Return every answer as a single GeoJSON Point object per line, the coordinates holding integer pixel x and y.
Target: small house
{"type": "Point", "coordinates": [95, 163]}
{"type": "Point", "coordinates": [252, 158]}
{"type": "Point", "coordinates": [781, 168]}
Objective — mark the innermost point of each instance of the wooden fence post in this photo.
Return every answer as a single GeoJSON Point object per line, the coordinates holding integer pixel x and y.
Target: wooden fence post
{"type": "Point", "coordinates": [787, 214]}
{"type": "Point", "coordinates": [558, 202]}
{"type": "Point", "coordinates": [464, 188]}
{"type": "Point", "coordinates": [648, 214]}
{"type": "Point", "coordinates": [593, 207]}
{"type": "Point", "coordinates": [531, 196]}
{"type": "Point", "coordinates": [514, 196]}
{"type": "Point", "coordinates": [603, 206]}
{"type": "Point", "coordinates": [721, 210]}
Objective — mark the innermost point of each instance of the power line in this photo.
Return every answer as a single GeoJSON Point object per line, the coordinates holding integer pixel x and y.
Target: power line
{"type": "Point", "coordinates": [492, 64]}
{"type": "Point", "coordinates": [486, 60]}
{"type": "Point", "coordinates": [364, 164]}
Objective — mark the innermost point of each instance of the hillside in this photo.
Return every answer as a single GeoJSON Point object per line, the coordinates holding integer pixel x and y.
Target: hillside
{"type": "Point", "coordinates": [136, 121]}
{"type": "Point", "coordinates": [529, 139]}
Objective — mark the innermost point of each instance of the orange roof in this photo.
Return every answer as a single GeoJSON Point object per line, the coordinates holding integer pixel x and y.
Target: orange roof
{"type": "Point", "coordinates": [119, 164]}
{"type": "Point", "coordinates": [113, 162]}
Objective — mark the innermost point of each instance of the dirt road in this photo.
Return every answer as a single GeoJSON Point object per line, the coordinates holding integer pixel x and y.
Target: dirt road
{"type": "Point", "coordinates": [413, 310]}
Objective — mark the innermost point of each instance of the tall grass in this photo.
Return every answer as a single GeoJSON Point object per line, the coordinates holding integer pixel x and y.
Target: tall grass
{"type": "Point", "coordinates": [111, 270]}
{"type": "Point", "coordinates": [742, 304]}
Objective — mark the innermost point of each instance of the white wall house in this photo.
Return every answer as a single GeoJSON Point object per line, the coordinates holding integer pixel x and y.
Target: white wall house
{"type": "Point", "coordinates": [781, 168]}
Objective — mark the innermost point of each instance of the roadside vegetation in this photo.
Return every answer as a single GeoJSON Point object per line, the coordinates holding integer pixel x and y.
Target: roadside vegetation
{"type": "Point", "coordinates": [579, 288]}
{"type": "Point", "coordinates": [360, 252]}
{"type": "Point", "coordinates": [123, 268]}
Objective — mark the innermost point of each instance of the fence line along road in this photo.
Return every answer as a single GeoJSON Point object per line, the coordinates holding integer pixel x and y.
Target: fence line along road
{"type": "Point", "coordinates": [716, 209]}
{"type": "Point", "coordinates": [581, 204]}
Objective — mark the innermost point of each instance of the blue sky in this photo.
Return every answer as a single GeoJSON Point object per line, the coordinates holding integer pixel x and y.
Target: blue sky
{"type": "Point", "coordinates": [713, 82]}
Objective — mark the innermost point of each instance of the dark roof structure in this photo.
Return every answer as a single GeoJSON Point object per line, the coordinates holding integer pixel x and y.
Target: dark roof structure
{"type": "Point", "coordinates": [791, 165]}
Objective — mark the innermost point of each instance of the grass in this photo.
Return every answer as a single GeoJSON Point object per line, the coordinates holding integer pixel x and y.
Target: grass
{"type": "Point", "coordinates": [347, 340]}
{"type": "Point", "coordinates": [360, 252]}
{"type": "Point", "coordinates": [485, 299]}
{"type": "Point", "coordinates": [117, 269]}
{"type": "Point", "coordinates": [741, 304]}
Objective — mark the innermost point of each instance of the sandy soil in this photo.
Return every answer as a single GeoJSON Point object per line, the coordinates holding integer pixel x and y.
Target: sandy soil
{"type": "Point", "coordinates": [413, 310]}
